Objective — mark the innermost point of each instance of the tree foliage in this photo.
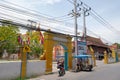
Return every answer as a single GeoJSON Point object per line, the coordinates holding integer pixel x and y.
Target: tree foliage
{"type": "Point", "coordinates": [35, 45]}
{"type": "Point", "coordinates": [118, 45]}
{"type": "Point", "coordinates": [8, 38]}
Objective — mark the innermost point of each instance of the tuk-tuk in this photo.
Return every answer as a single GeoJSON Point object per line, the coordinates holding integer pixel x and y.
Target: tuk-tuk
{"type": "Point", "coordinates": [84, 62]}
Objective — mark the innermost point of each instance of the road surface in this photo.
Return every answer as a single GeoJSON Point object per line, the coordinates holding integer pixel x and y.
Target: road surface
{"type": "Point", "coordinates": [100, 72]}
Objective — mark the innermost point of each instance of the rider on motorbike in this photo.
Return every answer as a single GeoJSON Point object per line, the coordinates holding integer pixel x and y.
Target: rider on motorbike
{"type": "Point", "coordinates": [60, 66]}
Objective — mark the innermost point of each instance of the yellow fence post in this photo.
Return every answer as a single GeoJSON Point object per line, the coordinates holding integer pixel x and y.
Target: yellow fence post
{"type": "Point", "coordinates": [105, 57]}
{"type": "Point", "coordinates": [25, 49]}
{"type": "Point", "coordinates": [23, 67]}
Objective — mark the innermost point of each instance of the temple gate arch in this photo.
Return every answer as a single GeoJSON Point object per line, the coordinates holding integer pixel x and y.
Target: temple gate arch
{"type": "Point", "coordinates": [65, 56]}
{"type": "Point", "coordinates": [50, 40]}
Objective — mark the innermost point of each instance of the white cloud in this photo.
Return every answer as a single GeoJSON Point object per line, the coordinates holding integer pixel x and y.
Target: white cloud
{"type": "Point", "coordinates": [50, 1]}
{"type": "Point", "coordinates": [34, 1]}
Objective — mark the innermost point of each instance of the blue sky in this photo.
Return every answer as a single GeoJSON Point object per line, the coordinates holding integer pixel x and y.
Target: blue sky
{"type": "Point", "coordinates": [108, 9]}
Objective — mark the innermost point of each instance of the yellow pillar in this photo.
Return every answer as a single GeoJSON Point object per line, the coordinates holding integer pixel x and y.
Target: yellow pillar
{"type": "Point", "coordinates": [118, 55]}
{"type": "Point", "coordinates": [24, 64]}
{"type": "Point", "coordinates": [48, 46]}
{"type": "Point", "coordinates": [93, 56]}
{"type": "Point", "coordinates": [105, 57]}
{"type": "Point", "coordinates": [69, 46]}
{"type": "Point", "coordinates": [113, 53]}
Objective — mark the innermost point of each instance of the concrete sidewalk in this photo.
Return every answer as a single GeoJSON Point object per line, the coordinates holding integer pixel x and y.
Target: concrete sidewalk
{"type": "Point", "coordinates": [100, 64]}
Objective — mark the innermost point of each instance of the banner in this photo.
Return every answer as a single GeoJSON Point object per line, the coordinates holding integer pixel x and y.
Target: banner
{"type": "Point", "coordinates": [82, 47]}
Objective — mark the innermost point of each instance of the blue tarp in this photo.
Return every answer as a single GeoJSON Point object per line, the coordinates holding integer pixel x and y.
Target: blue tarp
{"type": "Point", "coordinates": [82, 56]}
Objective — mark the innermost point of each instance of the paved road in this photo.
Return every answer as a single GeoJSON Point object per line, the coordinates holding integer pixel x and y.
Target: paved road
{"type": "Point", "coordinates": [101, 72]}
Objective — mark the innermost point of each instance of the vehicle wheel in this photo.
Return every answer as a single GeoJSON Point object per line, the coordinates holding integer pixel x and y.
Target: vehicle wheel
{"type": "Point", "coordinates": [80, 68]}
{"type": "Point", "coordinates": [64, 71]}
{"type": "Point", "coordinates": [60, 73]}
{"type": "Point", "coordinates": [90, 69]}
{"type": "Point", "coordinates": [76, 70]}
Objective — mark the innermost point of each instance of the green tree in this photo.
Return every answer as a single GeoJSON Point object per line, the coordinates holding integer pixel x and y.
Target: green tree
{"type": "Point", "coordinates": [35, 45]}
{"type": "Point", "coordinates": [8, 37]}
{"type": "Point", "coordinates": [118, 46]}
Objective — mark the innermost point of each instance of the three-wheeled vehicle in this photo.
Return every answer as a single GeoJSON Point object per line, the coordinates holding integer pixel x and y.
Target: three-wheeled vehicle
{"type": "Point", "coordinates": [84, 62]}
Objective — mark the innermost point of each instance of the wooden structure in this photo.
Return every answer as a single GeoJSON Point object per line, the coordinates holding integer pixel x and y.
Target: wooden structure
{"type": "Point", "coordinates": [97, 45]}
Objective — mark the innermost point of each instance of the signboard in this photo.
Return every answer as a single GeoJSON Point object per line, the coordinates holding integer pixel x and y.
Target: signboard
{"type": "Point", "coordinates": [59, 39]}
{"type": "Point", "coordinates": [26, 49]}
{"type": "Point", "coordinates": [82, 47]}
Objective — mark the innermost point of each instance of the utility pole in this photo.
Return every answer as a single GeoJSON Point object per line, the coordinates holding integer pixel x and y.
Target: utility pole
{"type": "Point", "coordinates": [76, 13]}
{"type": "Point", "coordinates": [85, 10]}
{"type": "Point", "coordinates": [84, 25]}
{"type": "Point", "coordinates": [75, 17]}
{"type": "Point", "coordinates": [85, 13]}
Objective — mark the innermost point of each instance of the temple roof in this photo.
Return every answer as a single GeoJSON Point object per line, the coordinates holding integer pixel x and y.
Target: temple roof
{"type": "Point", "coordinates": [95, 41]}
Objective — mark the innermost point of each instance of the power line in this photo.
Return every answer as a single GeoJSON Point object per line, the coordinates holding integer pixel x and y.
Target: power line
{"type": "Point", "coordinates": [107, 24]}
{"type": "Point", "coordinates": [33, 10]}
{"type": "Point", "coordinates": [27, 13]}
{"type": "Point", "coordinates": [47, 16]}
{"type": "Point", "coordinates": [20, 11]}
{"type": "Point", "coordinates": [100, 19]}
{"type": "Point", "coordinates": [32, 28]}
{"type": "Point", "coordinates": [63, 18]}
{"type": "Point", "coordinates": [17, 10]}
{"type": "Point", "coordinates": [25, 8]}
{"type": "Point", "coordinates": [70, 1]}
{"type": "Point", "coordinates": [16, 18]}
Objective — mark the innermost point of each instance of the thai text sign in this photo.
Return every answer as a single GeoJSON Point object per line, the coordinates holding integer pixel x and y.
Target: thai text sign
{"type": "Point", "coordinates": [82, 47]}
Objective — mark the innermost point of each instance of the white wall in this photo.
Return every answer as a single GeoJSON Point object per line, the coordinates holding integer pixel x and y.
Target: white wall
{"type": "Point", "coordinates": [111, 60]}
{"type": "Point", "coordinates": [35, 68]}
{"type": "Point", "coordinates": [11, 69]}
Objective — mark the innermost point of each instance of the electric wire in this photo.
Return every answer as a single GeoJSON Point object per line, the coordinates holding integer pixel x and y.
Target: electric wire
{"type": "Point", "coordinates": [107, 23]}
{"type": "Point", "coordinates": [50, 17]}
{"type": "Point", "coordinates": [34, 10]}
{"type": "Point", "coordinates": [16, 18]}
{"type": "Point", "coordinates": [25, 8]}
{"type": "Point", "coordinates": [27, 14]}
{"type": "Point", "coordinates": [101, 19]}
{"type": "Point", "coordinates": [25, 11]}
{"type": "Point", "coordinates": [70, 1]}
{"type": "Point", "coordinates": [112, 29]}
{"type": "Point", "coordinates": [14, 9]}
